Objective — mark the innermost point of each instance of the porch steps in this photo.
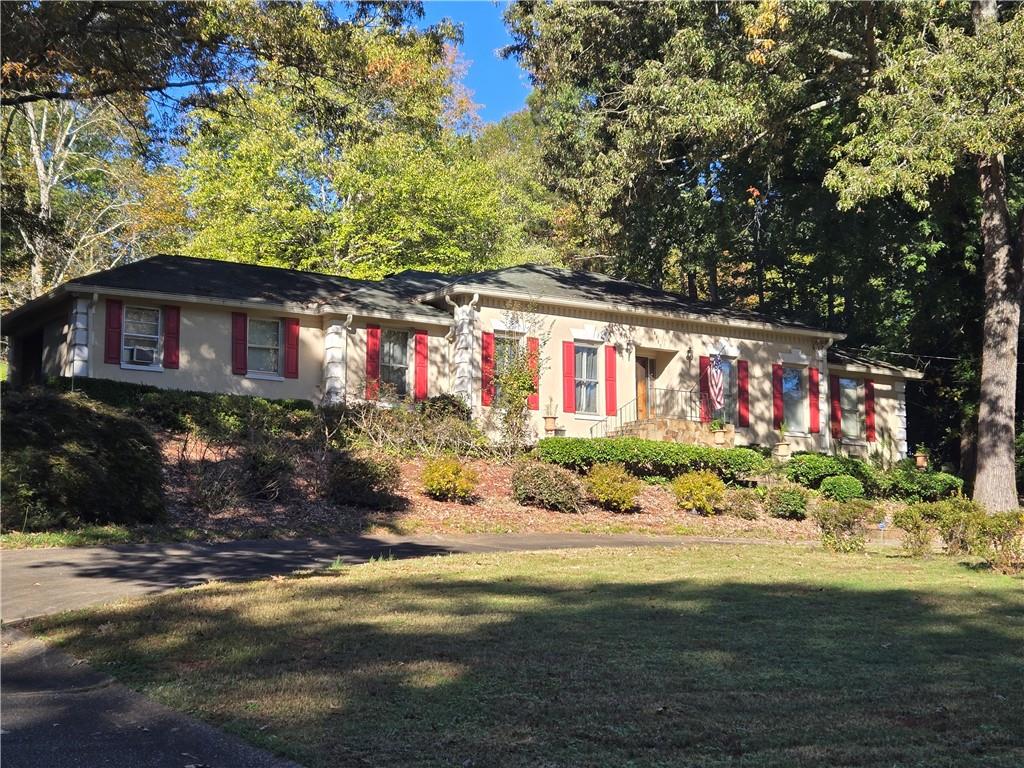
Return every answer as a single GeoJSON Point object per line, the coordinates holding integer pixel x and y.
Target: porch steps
{"type": "Point", "coordinates": [676, 431]}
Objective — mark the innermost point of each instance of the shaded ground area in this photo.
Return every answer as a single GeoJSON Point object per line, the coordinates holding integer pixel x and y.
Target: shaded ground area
{"type": "Point", "coordinates": [710, 656]}
{"type": "Point", "coordinates": [61, 714]}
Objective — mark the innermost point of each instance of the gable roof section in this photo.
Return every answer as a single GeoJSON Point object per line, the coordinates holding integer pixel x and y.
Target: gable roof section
{"type": "Point", "coordinates": [553, 285]}
{"type": "Point", "coordinates": [847, 360]}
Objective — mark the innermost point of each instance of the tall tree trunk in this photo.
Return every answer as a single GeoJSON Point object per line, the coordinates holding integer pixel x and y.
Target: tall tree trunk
{"type": "Point", "coordinates": [713, 281]}
{"type": "Point", "coordinates": [994, 480]}
{"type": "Point", "coordinates": [691, 285]}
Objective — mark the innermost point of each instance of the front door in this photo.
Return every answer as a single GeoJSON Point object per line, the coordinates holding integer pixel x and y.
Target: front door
{"type": "Point", "coordinates": [644, 377]}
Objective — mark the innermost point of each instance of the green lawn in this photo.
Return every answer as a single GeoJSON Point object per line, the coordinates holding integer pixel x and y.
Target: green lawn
{"type": "Point", "coordinates": [697, 656]}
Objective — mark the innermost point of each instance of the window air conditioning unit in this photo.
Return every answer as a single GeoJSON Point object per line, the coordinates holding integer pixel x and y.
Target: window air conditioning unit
{"type": "Point", "coordinates": [143, 356]}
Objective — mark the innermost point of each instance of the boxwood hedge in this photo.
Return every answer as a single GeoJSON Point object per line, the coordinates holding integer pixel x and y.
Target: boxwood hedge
{"type": "Point", "coordinates": [645, 458]}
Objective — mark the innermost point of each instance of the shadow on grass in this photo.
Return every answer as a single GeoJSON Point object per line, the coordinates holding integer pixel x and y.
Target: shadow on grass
{"type": "Point", "coordinates": [530, 670]}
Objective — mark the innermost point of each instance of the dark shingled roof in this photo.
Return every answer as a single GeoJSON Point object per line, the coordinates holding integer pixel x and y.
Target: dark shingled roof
{"type": "Point", "coordinates": [840, 356]}
{"type": "Point", "coordinates": [215, 279]}
{"type": "Point", "coordinates": [398, 293]}
{"type": "Point", "coordinates": [544, 281]}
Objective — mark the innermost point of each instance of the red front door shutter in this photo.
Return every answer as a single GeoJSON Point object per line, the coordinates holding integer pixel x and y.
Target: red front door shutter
{"type": "Point", "coordinates": [812, 399]}
{"type": "Point", "coordinates": [533, 359]}
{"type": "Point", "coordinates": [291, 347]}
{"type": "Point", "coordinates": [372, 361]}
{"type": "Point", "coordinates": [742, 393]}
{"type": "Point", "coordinates": [112, 337]}
{"type": "Point", "coordinates": [422, 361]}
{"type": "Point", "coordinates": [837, 410]}
{"type": "Point", "coordinates": [172, 334]}
{"type": "Point", "coordinates": [778, 408]}
{"type": "Point", "coordinates": [239, 343]}
{"type": "Point", "coordinates": [568, 377]}
{"type": "Point", "coordinates": [611, 406]}
{"type": "Point", "coordinates": [869, 410]}
{"type": "Point", "coordinates": [486, 368]}
{"type": "Point", "coordinates": [705, 388]}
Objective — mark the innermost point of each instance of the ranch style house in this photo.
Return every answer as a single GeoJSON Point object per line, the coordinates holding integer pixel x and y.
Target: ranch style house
{"type": "Point", "coordinates": [612, 357]}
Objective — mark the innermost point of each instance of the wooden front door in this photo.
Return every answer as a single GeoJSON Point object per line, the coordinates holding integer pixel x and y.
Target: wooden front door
{"type": "Point", "coordinates": [644, 376]}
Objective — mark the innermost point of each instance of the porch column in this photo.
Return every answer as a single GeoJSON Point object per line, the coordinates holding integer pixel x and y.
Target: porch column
{"type": "Point", "coordinates": [465, 345]}
{"type": "Point", "coordinates": [78, 339]}
{"type": "Point", "coordinates": [900, 390]}
{"type": "Point", "coordinates": [335, 369]}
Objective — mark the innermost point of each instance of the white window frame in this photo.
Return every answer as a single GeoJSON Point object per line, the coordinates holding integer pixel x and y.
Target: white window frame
{"type": "Point", "coordinates": [255, 373]}
{"type": "Point", "coordinates": [859, 406]}
{"type": "Point", "coordinates": [158, 351]}
{"type": "Point", "coordinates": [409, 355]}
{"type": "Point", "coordinates": [804, 392]}
{"type": "Point", "coordinates": [577, 379]}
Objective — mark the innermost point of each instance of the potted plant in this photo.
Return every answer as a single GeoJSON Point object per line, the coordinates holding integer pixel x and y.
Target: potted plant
{"type": "Point", "coordinates": [781, 448]}
{"type": "Point", "coordinates": [921, 456]}
{"type": "Point", "coordinates": [718, 428]}
{"type": "Point", "coordinates": [550, 417]}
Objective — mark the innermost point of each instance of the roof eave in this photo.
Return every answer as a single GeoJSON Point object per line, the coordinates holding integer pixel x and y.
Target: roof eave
{"type": "Point", "coordinates": [893, 372]}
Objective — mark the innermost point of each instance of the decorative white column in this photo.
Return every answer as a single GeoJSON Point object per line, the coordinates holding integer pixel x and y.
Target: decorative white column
{"type": "Point", "coordinates": [335, 368]}
{"type": "Point", "coordinates": [78, 339]}
{"type": "Point", "coordinates": [465, 342]}
{"type": "Point", "coordinates": [900, 389]}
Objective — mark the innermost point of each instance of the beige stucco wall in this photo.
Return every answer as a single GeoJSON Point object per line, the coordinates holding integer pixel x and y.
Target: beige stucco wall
{"type": "Point", "coordinates": [55, 346]}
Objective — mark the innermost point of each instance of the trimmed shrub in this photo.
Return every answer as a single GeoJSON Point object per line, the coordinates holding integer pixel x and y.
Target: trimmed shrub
{"type": "Point", "coordinates": [447, 479]}
{"type": "Point", "coordinates": [904, 482]}
{"type": "Point", "coordinates": [612, 487]}
{"type": "Point", "coordinates": [744, 503]}
{"type": "Point", "coordinates": [1001, 541]}
{"type": "Point", "coordinates": [370, 481]}
{"type": "Point", "coordinates": [842, 488]}
{"type": "Point", "coordinates": [842, 524]}
{"type": "Point", "coordinates": [402, 429]}
{"type": "Point", "coordinates": [540, 485]}
{"type": "Point", "coordinates": [69, 459]}
{"type": "Point", "coordinates": [702, 492]}
{"type": "Point", "coordinates": [787, 501]}
{"type": "Point", "coordinates": [446, 407]}
{"type": "Point", "coordinates": [917, 528]}
{"type": "Point", "coordinates": [958, 521]}
{"type": "Point", "coordinates": [810, 469]}
{"type": "Point", "coordinates": [644, 458]}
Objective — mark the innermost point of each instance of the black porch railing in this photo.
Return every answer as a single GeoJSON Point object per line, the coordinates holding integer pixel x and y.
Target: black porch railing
{"type": "Point", "coordinates": [661, 404]}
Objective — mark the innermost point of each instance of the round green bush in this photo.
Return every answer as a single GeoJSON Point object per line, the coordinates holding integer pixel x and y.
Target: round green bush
{"type": "Point", "coordinates": [702, 492]}
{"type": "Point", "coordinates": [842, 524]}
{"type": "Point", "coordinates": [810, 469]}
{"type": "Point", "coordinates": [612, 487]}
{"type": "Point", "coordinates": [918, 529]}
{"type": "Point", "coordinates": [546, 486]}
{"type": "Point", "coordinates": [786, 501]}
{"type": "Point", "coordinates": [447, 479]}
{"type": "Point", "coordinates": [842, 488]}
{"type": "Point", "coordinates": [744, 503]}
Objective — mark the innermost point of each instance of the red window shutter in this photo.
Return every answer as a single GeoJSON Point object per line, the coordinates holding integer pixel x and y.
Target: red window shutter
{"type": "Point", "coordinates": [611, 406]}
{"type": "Point", "coordinates": [486, 368]}
{"type": "Point", "coordinates": [172, 335]}
{"type": "Point", "coordinates": [869, 410]}
{"type": "Point", "coordinates": [112, 337]}
{"type": "Point", "coordinates": [372, 361]}
{"type": "Point", "coordinates": [291, 347]}
{"type": "Point", "coordinates": [705, 388]}
{"type": "Point", "coordinates": [837, 410]}
{"type": "Point", "coordinates": [533, 358]}
{"type": "Point", "coordinates": [568, 377]}
{"type": "Point", "coordinates": [239, 342]}
{"type": "Point", "coordinates": [812, 399]}
{"type": "Point", "coordinates": [742, 393]}
{"type": "Point", "coordinates": [422, 361]}
{"type": "Point", "coordinates": [778, 407]}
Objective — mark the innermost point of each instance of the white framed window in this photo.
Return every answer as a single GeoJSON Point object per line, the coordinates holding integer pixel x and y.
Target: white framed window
{"type": "Point", "coordinates": [140, 337]}
{"type": "Point", "coordinates": [586, 379]}
{"type": "Point", "coordinates": [394, 361]}
{"type": "Point", "coordinates": [850, 408]}
{"type": "Point", "coordinates": [794, 398]}
{"type": "Point", "coordinates": [727, 368]}
{"type": "Point", "coordinates": [264, 346]}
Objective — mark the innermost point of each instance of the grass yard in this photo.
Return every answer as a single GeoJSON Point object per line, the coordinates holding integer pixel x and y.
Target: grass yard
{"type": "Point", "coordinates": [698, 656]}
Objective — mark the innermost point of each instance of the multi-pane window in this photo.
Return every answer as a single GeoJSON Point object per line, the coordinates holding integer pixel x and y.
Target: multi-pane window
{"type": "Point", "coordinates": [586, 379]}
{"type": "Point", "coordinates": [849, 406]}
{"type": "Point", "coordinates": [394, 361]}
{"type": "Point", "coordinates": [794, 399]}
{"type": "Point", "coordinates": [727, 411]}
{"type": "Point", "coordinates": [264, 353]}
{"type": "Point", "coordinates": [506, 351]}
{"type": "Point", "coordinates": [140, 336]}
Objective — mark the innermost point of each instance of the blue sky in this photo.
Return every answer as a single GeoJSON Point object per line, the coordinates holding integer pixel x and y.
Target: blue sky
{"type": "Point", "coordinates": [498, 85]}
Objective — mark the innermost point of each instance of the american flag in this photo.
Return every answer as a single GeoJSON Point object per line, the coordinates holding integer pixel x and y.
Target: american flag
{"type": "Point", "coordinates": [716, 384]}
